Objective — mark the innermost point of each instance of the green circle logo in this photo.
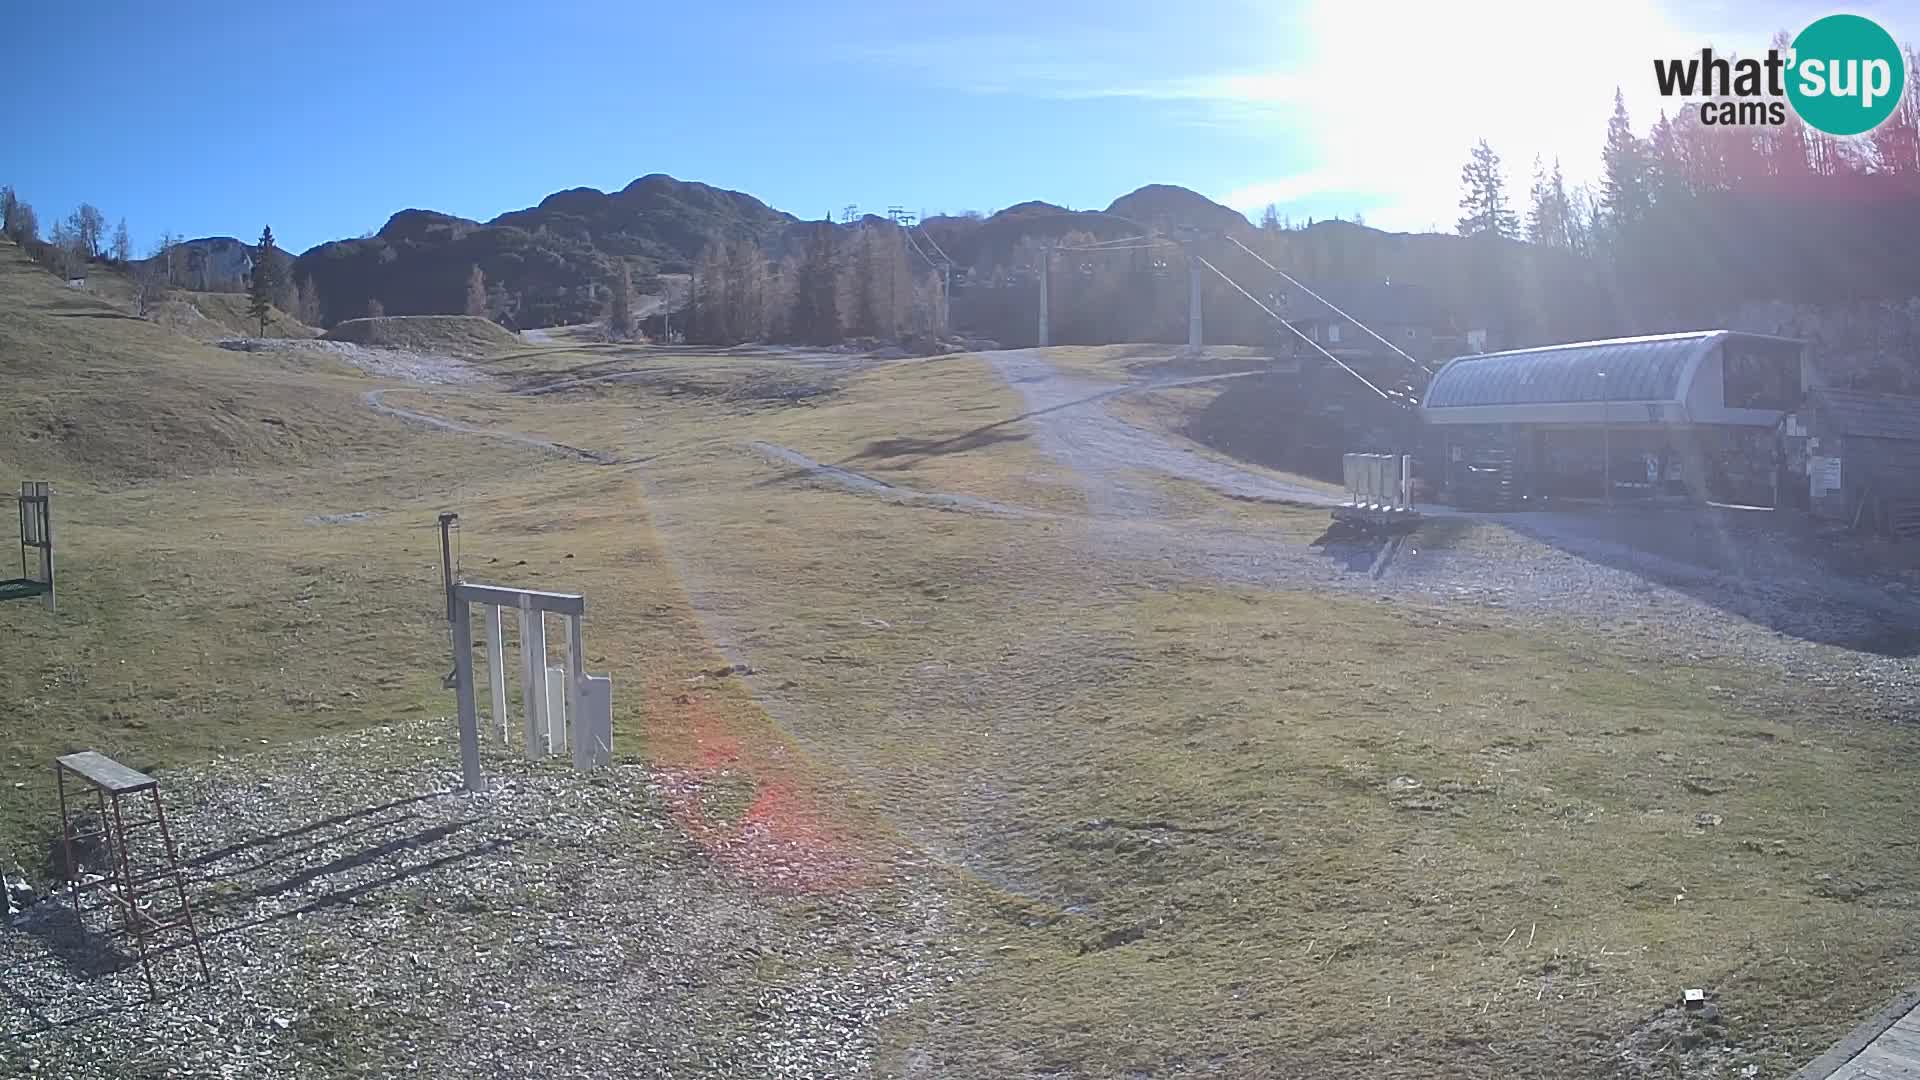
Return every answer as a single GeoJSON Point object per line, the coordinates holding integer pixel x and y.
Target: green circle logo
{"type": "Point", "coordinates": [1846, 75]}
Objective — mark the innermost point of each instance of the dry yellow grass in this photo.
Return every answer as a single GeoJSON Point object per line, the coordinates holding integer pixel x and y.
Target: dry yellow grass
{"type": "Point", "coordinates": [1190, 827]}
{"type": "Point", "coordinates": [456, 335]}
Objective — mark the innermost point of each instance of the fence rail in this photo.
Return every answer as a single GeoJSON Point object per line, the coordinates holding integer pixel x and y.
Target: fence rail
{"type": "Point", "coordinates": [1381, 483]}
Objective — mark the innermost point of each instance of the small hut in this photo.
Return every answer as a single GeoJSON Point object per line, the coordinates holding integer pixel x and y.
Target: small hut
{"type": "Point", "coordinates": [1862, 458]}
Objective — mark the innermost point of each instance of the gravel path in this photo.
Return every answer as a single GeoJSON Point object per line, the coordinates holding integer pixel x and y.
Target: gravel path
{"type": "Point", "coordinates": [376, 400]}
{"type": "Point", "coordinates": [1074, 428]}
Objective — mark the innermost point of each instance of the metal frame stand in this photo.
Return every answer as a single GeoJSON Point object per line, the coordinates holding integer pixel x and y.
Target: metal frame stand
{"type": "Point", "coordinates": [36, 533]}
{"type": "Point", "coordinates": [112, 781]}
{"type": "Point", "coordinates": [553, 699]}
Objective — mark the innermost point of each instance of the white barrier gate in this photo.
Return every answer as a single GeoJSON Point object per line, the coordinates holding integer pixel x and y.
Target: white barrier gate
{"type": "Point", "coordinates": [1379, 482]}
{"type": "Point", "coordinates": [559, 705]}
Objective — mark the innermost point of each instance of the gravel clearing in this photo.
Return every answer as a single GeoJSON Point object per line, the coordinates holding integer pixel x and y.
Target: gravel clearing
{"type": "Point", "coordinates": [386, 363]}
{"type": "Point", "coordinates": [361, 918]}
{"type": "Point", "coordinates": [1740, 595]}
{"type": "Point", "coordinates": [1076, 430]}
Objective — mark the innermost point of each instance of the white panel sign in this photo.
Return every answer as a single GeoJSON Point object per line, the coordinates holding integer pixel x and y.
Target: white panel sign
{"type": "Point", "coordinates": [1823, 474]}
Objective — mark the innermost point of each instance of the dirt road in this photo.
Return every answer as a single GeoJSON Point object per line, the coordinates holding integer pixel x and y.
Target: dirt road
{"type": "Point", "coordinates": [1074, 427]}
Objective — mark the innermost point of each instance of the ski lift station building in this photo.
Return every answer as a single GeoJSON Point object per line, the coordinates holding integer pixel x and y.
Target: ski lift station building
{"type": "Point", "coordinates": [1673, 414]}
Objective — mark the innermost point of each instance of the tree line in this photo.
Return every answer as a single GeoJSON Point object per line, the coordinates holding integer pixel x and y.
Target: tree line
{"type": "Point", "coordinates": [842, 284]}
{"type": "Point", "coordinates": [1690, 216]}
{"type": "Point", "coordinates": [71, 243]}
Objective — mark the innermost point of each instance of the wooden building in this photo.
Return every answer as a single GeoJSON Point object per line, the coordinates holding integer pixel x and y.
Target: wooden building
{"type": "Point", "coordinates": [1859, 456]}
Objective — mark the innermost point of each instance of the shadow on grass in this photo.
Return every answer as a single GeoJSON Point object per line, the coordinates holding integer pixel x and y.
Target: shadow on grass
{"type": "Point", "coordinates": [984, 435]}
{"type": "Point", "coordinates": [351, 894]}
{"type": "Point", "coordinates": [978, 439]}
{"type": "Point", "coordinates": [232, 889]}
{"type": "Point", "coordinates": [1443, 534]}
{"type": "Point", "coordinates": [361, 858]}
{"type": "Point", "coordinates": [312, 826]}
{"type": "Point", "coordinates": [42, 1023]}
{"type": "Point", "coordinates": [84, 953]}
{"type": "Point", "coordinates": [95, 315]}
{"type": "Point", "coordinates": [1354, 549]}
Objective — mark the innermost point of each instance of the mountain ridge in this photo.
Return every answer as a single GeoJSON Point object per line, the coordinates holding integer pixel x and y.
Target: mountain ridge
{"type": "Point", "coordinates": [549, 261]}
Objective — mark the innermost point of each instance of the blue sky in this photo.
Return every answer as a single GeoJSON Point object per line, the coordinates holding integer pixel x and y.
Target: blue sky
{"type": "Point", "coordinates": [325, 118]}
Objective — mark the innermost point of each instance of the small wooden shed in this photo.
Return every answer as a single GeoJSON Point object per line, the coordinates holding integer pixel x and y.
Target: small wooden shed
{"type": "Point", "coordinates": [1863, 459]}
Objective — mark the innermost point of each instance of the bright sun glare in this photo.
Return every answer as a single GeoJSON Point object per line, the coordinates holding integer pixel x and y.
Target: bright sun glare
{"type": "Point", "coordinates": [1394, 95]}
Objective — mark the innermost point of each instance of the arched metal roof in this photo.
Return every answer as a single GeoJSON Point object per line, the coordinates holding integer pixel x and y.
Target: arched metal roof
{"type": "Point", "coordinates": [1649, 369]}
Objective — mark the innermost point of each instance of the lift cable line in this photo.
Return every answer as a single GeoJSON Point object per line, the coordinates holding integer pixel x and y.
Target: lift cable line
{"type": "Point", "coordinates": [936, 244]}
{"type": "Point", "coordinates": [1153, 240]}
{"type": "Point", "coordinates": [1364, 328]}
{"type": "Point", "coordinates": [1297, 332]}
{"type": "Point", "coordinates": [1117, 243]}
{"type": "Point", "coordinates": [944, 267]}
{"type": "Point", "coordinates": [918, 250]}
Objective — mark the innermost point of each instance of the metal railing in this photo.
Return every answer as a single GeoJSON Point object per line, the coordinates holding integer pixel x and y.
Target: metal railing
{"type": "Point", "coordinates": [1379, 482]}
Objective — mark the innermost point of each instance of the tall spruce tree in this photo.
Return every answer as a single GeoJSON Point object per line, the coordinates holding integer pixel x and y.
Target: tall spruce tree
{"type": "Point", "coordinates": [619, 304]}
{"type": "Point", "coordinates": [1549, 212]}
{"type": "Point", "coordinates": [477, 291]}
{"type": "Point", "coordinates": [816, 291]}
{"type": "Point", "coordinates": [268, 279]}
{"type": "Point", "coordinates": [1625, 189]}
{"type": "Point", "coordinates": [1484, 196]}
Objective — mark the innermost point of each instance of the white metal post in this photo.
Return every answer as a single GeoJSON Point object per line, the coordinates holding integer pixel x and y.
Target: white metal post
{"type": "Point", "coordinates": [560, 703]}
{"type": "Point", "coordinates": [533, 679]}
{"type": "Point", "coordinates": [463, 695]}
{"type": "Point", "coordinates": [496, 671]}
{"type": "Point", "coordinates": [1606, 437]}
{"type": "Point", "coordinates": [46, 553]}
{"type": "Point", "coordinates": [1196, 336]}
{"type": "Point", "coordinates": [556, 711]}
{"type": "Point", "coordinates": [596, 701]}
{"type": "Point", "coordinates": [575, 668]}
{"type": "Point", "coordinates": [1046, 268]}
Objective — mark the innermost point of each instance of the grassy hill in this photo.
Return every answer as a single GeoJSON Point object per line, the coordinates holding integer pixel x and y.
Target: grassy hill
{"type": "Point", "coordinates": [214, 315]}
{"type": "Point", "coordinates": [457, 335]}
{"type": "Point", "coordinates": [244, 547]}
{"type": "Point", "coordinates": [98, 395]}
